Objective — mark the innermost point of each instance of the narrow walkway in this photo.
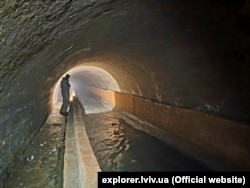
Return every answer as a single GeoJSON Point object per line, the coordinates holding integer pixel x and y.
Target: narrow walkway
{"type": "Point", "coordinates": [40, 165]}
{"type": "Point", "coordinates": [80, 164]}
{"type": "Point", "coordinates": [70, 172]}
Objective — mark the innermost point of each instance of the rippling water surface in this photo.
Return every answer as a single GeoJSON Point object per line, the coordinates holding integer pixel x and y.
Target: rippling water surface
{"type": "Point", "coordinates": [120, 147]}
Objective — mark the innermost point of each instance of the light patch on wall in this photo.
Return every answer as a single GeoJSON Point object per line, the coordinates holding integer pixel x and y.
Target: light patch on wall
{"type": "Point", "coordinates": [94, 76]}
{"type": "Point", "coordinates": [82, 78]}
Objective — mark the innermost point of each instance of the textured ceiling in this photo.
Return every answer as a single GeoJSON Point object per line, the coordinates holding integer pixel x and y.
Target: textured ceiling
{"type": "Point", "coordinates": [193, 55]}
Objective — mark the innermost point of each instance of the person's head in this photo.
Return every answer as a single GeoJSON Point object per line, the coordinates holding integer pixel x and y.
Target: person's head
{"type": "Point", "coordinates": [67, 76]}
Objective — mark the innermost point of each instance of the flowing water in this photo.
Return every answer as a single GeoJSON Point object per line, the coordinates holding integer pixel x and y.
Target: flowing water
{"type": "Point", "coordinates": [120, 147]}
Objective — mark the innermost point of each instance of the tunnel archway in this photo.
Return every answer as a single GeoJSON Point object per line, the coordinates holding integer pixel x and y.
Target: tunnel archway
{"type": "Point", "coordinates": [84, 79]}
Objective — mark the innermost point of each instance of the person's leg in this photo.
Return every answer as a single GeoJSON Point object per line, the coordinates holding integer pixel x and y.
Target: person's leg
{"type": "Point", "coordinates": [65, 104]}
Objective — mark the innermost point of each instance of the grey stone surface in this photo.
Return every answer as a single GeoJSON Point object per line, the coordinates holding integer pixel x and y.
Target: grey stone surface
{"type": "Point", "coordinates": [41, 162]}
{"type": "Point", "coordinates": [71, 168]}
{"type": "Point", "coordinates": [88, 166]}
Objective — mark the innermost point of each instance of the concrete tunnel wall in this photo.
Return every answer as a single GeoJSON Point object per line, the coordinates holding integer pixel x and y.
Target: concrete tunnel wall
{"type": "Point", "coordinates": [186, 54]}
{"type": "Point", "coordinates": [217, 142]}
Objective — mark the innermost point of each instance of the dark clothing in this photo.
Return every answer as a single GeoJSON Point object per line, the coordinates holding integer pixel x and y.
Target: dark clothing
{"type": "Point", "coordinates": [65, 88]}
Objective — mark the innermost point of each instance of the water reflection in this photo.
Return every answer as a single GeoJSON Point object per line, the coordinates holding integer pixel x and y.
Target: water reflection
{"type": "Point", "coordinates": [120, 147]}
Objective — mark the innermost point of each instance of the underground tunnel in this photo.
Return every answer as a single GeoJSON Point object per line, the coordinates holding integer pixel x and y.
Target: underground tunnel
{"type": "Point", "coordinates": [85, 80]}
{"type": "Point", "coordinates": [181, 66]}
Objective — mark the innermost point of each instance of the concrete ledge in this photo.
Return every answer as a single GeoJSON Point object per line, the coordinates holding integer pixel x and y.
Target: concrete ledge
{"type": "Point", "coordinates": [70, 172]}
{"type": "Point", "coordinates": [86, 167]}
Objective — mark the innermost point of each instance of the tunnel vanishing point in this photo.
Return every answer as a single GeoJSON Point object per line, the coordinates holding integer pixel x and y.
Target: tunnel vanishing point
{"type": "Point", "coordinates": [181, 66]}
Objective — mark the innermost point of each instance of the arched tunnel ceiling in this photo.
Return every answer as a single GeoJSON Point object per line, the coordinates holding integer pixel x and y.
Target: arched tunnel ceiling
{"type": "Point", "coordinates": [192, 55]}
{"type": "Point", "coordinates": [93, 76]}
{"type": "Point", "coordinates": [82, 77]}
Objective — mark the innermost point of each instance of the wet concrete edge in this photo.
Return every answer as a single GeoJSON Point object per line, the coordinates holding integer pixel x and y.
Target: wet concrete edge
{"type": "Point", "coordinates": [87, 165]}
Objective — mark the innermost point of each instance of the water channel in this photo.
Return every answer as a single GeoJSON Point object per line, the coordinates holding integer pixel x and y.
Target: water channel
{"type": "Point", "coordinates": [121, 147]}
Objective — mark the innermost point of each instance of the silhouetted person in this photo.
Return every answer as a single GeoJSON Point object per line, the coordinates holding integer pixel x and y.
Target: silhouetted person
{"type": "Point", "coordinates": [65, 88]}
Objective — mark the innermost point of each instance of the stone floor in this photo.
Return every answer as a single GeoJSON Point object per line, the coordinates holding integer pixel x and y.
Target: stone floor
{"type": "Point", "coordinates": [40, 165]}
